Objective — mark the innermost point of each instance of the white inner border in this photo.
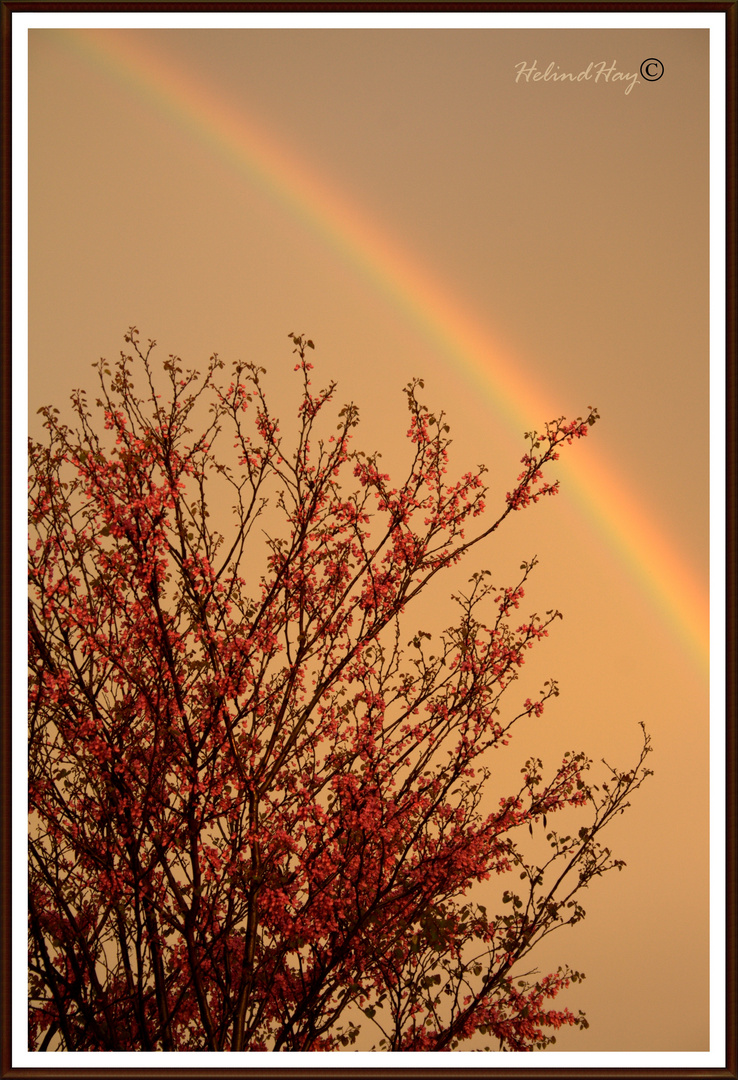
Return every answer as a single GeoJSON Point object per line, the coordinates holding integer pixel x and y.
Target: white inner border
{"type": "Point", "coordinates": [714, 22]}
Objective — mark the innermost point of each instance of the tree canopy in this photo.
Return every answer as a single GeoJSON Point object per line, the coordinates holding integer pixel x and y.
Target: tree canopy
{"type": "Point", "coordinates": [263, 812]}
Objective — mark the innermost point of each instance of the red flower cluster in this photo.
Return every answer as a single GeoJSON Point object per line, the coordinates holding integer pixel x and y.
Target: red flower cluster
{"type": "Point", "coordinates": [256, 814]}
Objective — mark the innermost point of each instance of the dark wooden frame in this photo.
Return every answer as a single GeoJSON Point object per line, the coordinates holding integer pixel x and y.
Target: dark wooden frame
{"type": "Point", "coordinates": [9, 8]}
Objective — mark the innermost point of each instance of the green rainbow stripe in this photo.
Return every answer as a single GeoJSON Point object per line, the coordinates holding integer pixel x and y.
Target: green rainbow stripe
{"type": "Point", "coordinates": [652, 559]}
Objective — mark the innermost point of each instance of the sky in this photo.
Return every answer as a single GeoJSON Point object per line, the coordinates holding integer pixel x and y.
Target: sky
{"type": "Point", "coordinates": [418, 205]}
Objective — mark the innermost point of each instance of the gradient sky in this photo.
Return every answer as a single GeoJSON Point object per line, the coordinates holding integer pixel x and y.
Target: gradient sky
{"type": "Point", "coordinates": [529, 249]}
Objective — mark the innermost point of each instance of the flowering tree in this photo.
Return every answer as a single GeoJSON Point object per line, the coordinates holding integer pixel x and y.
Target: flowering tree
{"type": "Point", "coordinates": [259, 815]}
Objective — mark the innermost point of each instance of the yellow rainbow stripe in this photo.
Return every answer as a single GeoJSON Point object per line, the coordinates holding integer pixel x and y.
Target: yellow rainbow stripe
{"type": "Point", "coordinates": [652, 559]}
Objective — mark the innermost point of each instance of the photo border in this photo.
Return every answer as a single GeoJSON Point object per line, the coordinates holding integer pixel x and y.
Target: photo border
{"type": "Point", "coordinates": [13, 332]}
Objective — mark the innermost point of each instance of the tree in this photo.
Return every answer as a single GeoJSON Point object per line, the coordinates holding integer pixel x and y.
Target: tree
{"type": "Point", "coordinates": [259, 815]}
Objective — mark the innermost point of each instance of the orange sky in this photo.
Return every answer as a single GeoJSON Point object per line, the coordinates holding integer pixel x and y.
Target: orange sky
{"type": "Point", "coordinates": [567, 222]}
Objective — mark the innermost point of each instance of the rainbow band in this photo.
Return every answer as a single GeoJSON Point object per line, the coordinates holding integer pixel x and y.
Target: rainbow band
{"type": "Point", "coordinates": [651, 559]}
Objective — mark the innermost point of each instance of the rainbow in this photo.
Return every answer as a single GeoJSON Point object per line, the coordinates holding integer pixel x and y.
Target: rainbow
{"type": "Point", "coordinates": [651, 558]}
